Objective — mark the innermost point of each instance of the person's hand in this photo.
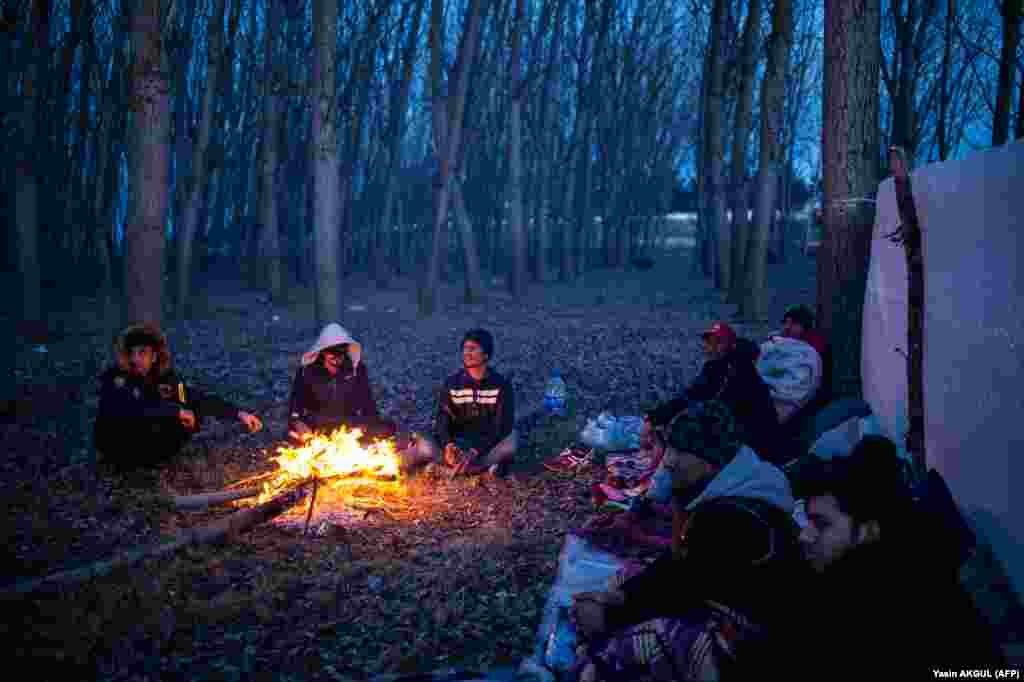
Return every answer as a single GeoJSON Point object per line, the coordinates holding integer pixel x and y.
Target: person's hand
{"type": "Point", "coordinates": [300, 431]}
{"type": "Point", "coordinates": [452, 455]}
{"type": "Point", "coordinates": [590, 610]}
{"type": "Point", "coordinates": [647, 435]}
{"type": "Point", "coordinates": [467, 460]}
{"type": "Point", "coordinates": [188, 418]}
{"type": "Point", "coordinates": [251, 421]}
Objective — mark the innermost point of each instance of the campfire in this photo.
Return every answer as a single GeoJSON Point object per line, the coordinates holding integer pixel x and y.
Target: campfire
{"type": "Point", "coordinates": [347, 476]}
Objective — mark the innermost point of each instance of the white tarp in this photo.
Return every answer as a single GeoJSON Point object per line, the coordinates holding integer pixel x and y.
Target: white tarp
{"type": "Point", "coordinates": [972, 215]}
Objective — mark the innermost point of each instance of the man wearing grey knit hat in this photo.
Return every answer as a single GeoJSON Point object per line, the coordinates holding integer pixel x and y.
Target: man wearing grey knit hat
{"type": "Point", "coordinates": [734, 545]}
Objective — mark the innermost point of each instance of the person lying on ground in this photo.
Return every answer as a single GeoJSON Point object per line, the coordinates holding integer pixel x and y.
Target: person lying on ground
{"type": "Point", "coordinates": [146, 412]}
{"type": "Point", "coordinates": [729, 374]}
{"type": "Point", "coordinates": [733, 564]}
{"type": "Point", "coordinates": [878, 582]}
{"type": "Point", "coordinates": [331, 389]}
{"type": "Point", "coordinates": [475, 416]}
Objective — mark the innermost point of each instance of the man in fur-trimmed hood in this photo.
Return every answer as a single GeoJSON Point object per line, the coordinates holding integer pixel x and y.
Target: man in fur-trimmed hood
{"type": "Point", "coordinates": [146, 412]}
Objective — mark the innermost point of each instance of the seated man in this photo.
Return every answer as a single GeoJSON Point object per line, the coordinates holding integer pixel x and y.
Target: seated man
{"type": "Point", "coordinates": [733, 565]}
{"type": "Point", "coordinates": [877, 581]}
{"type": "Point", "coordinates": [475, 415]}
{"type": "Point", "coordinates": [730, 375]}
{"type": "Point", "coordinates": [798, 323]}
{"type": "Point", "coordinates": [332, 389]}
{"type": "Point", "coordinates": [146, 413]}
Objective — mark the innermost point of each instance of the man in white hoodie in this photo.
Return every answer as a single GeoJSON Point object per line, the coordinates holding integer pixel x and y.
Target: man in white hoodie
{"type": "Point", "coordinates": [734, 562]}
{"type": "Point", "coordinates": [332, 389]}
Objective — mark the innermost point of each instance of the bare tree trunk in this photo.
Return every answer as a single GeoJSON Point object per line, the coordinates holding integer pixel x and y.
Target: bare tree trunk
{"type": "Point", "coordinates": [1011, 11]}
{"type": "Point", "coordinates": [144, 232]}
{"type": "Point", "coordinates": [195, 182]}
{"type": "Point", "coordinates": [704, 258]}
{"type": "Point", "coordinates": [548, 147]}
{"type": "Point", "coordinates": [901, 92]}
{"type": "Point", "coordinates": [850, 139]}
{"type": "Point", "coordinates": [27, 167]}
{"type": "Point", "coordinates": [474, 292]}
{"type": "Point", "coordinates": [1019, 132]}
{"type": "Point", "coordinates": [942, 124]}
{"type": "Point", "coordinates": [110, 117]}
{"type": "Point", "coordinates": [714, 185]}
{"type": "Point", "coordinates": [394, 159]}
{"type": "Point", "coordinates": [754, 305]}
{"type": "Point", "coordinates": [271, 238]}
{"type": "Point", "coordinates": [358, 92]}
{"type": "Point", "coordinates": [517, 90]}
{"type": "Point", "coordinates": [76, 210]}
{"type": "Point", "coordinates": [449, 146]}
{"type": "Point", "coordinates": [327, 164]}
{"type": "Point", "coordinates": [183, 127]}
{"type": "Point", "coordinates": [740, 141]}
{"type": "Point", "coordinates": [568, 224]}
{"type": "Point", "coordinates": [585, 165]}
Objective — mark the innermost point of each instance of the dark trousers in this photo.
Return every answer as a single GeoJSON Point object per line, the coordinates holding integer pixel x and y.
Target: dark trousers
{"type": "Point", "coordinates": [142, 443]}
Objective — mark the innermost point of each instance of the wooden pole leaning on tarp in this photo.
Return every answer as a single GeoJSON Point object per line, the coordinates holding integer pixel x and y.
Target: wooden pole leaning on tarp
{"type": "Point", "coordinates": [908, 234]}
{"type": "Point", "coordinates": [238, 522]}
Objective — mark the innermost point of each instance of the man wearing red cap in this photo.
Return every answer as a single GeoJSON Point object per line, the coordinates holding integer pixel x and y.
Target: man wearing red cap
{"type": "Point", "coordinates": [730, 375]}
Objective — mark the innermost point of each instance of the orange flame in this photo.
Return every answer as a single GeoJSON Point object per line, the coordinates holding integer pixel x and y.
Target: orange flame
{"type": "Point", "coordinates": [337, 459]}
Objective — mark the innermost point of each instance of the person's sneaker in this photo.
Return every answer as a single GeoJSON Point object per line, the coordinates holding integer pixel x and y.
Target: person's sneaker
{"type": "Point", "coordinates": [570, 461]}
{"type": "Point", "coordinates": [496, 471]}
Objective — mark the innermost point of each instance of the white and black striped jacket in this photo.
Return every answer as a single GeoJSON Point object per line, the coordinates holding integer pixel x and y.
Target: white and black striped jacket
{"type": "Point", "coordinates": [475, 414]}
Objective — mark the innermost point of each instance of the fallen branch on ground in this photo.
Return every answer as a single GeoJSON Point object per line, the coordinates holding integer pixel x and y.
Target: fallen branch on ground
{"type": "Point", "coordinates": [234, 524]}
{"type": "Point", "coordinates": [204, 500]}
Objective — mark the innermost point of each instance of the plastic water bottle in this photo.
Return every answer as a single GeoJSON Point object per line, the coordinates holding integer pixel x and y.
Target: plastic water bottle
{"type": "Point", "coordinates": [555, 395]}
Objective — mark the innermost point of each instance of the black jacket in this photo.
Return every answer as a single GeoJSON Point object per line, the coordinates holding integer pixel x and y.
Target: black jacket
{"type": "Point", "coordinates": [325, 401]}
{"type": "Point", "coordinates": [134, 409]}
{"type": "Point", "coordinates": [740, 552]}
{"type": "Point", "coordinates": [887, 606]}
{"type": "Point", "coordinates": [475, 414]}
{"type": "Point", "coordinates": [734, 380]}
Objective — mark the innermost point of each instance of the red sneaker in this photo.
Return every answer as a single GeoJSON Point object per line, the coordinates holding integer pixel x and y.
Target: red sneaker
{"type": "Point", "coordinates": [569, 461]}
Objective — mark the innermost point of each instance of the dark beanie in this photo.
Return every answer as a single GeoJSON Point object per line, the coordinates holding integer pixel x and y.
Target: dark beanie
{"type": "Point", "coordinates": [481, 336]}
{"type": "Point", "coordinates": [141, 337]}
{"type": "Point", "coordinates": [800, 314]}
{"type": "Point", "coordinates": [707, 430]}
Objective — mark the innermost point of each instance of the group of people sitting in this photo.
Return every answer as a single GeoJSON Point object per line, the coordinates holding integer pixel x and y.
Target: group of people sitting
{"type": "Point", "coordinates": [769, 388]}
{"type": "Point", "coordinates": [147, 413]}
{"type": "Point", "coordinates": [740, 373]}
{"type": "Point", "coordinates": [741, 585]}
{"type": "Point", "coordinates": [724, 578]}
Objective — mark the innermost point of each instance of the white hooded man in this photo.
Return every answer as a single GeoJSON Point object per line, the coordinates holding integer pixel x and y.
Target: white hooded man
{"type": "Point", "coordinates": [332, 389]}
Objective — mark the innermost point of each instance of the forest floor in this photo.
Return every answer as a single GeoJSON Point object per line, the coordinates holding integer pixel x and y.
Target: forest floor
{"type": "Point", "coordinates": [454, 574]}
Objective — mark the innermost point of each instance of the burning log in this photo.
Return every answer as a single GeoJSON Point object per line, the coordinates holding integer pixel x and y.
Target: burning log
{"type": "Point", "coordinates": [193, 502]}
{"type": "Point", "coordinates": [217, 531]}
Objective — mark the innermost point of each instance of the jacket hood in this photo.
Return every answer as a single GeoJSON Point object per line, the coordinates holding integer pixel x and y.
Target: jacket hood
{"type": "Point", "coordinates": [747, 475]}
{"type": "Point", "coordinates": [163, 354]}
{"type": "Point", "coordinates": [332, 335]}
